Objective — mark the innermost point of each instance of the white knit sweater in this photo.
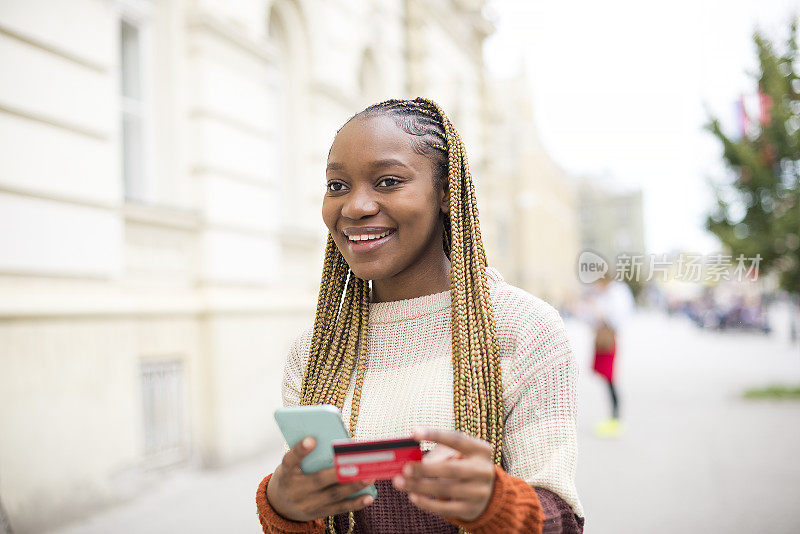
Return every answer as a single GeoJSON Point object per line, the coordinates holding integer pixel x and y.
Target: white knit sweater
{"type": "Point", "coordinates": [409, 380]}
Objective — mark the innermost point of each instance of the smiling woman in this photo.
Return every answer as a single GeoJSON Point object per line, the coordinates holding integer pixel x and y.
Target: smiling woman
{"type": "Point", "coordinates": [415, 335]}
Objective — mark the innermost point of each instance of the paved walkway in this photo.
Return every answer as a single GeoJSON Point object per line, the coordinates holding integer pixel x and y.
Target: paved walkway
{"type": "Point", "coordinates": [192, 502]}
{"type": "Point", "coordinates": [694, 456]}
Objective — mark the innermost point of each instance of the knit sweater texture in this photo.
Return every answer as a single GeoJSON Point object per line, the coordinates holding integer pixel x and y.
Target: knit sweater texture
{"type": "Point", "coordinates": [408, 384]}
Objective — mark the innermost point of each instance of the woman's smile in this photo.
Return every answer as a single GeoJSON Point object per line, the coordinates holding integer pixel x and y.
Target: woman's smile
{"type": "Point", "coordinates": [368, 238]}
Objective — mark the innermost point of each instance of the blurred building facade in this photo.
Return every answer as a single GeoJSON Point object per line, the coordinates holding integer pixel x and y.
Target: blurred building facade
{"type": "Point", "coordinates": [532, 233]}
{"type": "Point", "coordinates": [161, 171]}
{"type": "Point", "coordinates": [611, 222]}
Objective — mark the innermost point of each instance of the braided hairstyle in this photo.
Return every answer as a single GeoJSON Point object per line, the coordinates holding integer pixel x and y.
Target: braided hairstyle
{"type": "Point", "coordinates": [340, 325]}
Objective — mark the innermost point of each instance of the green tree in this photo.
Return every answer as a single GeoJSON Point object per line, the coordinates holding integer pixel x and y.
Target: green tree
{"type": "Point", "coordinates": [766, 166]}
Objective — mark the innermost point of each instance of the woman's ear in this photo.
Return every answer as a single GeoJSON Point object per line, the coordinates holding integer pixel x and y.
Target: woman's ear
{"type": "Point", "coordinates": [444, 196]}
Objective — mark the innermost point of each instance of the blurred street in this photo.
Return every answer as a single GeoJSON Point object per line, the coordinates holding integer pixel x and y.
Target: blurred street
{"type": "Point", "coordinates": [694, 456]}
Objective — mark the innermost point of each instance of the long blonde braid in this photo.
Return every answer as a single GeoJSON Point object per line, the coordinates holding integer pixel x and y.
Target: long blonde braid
{"type": "Point", "coordinates": [340, 325]}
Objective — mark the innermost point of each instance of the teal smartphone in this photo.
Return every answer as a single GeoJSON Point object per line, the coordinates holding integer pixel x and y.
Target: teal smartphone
{"type": "Point", "coordinates": [323, 422]}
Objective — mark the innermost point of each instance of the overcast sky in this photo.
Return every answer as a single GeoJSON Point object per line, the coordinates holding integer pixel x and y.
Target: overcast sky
{"type": "Point", "coordinates": [620, 89]}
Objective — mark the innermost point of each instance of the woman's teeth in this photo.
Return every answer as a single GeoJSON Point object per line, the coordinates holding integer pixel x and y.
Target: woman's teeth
{"type": "Point", "coordinates": [368, 237]}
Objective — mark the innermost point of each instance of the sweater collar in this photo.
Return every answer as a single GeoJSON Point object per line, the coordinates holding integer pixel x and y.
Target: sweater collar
{"type": "Point", "coordinates": [404, 310]}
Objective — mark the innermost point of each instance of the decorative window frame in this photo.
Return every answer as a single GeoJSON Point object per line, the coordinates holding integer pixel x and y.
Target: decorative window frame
{"type": "Point", "coordinates": [139, 188]}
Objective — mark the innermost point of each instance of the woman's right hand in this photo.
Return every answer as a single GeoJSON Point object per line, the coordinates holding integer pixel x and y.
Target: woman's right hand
{"type": "Point", "coordinates": [298, 496]}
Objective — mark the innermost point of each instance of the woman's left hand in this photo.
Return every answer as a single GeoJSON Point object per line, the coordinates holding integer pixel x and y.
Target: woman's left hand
{"type": "Point", "coordinates": [455, 479]}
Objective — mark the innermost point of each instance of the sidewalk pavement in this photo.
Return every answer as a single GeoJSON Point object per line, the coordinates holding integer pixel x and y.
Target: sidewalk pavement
{"type": "Point", "coordinates": [218, 501]}
{"type": "Point", "coordinates": [693, 457]}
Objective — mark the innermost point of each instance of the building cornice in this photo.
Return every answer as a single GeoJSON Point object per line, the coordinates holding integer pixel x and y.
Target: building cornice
{"type": "Point", "coordinates": [57, 197]}
{"type": "Point", "coordinates": [56, 51]}
{"type": "Point", "coordinates": [203, 20]}
{"type": "Point", "coordinates": [49, 120]}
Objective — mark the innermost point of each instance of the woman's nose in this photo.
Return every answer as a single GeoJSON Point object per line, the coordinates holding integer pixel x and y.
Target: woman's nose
{"type": "Point", "coordinates": [359, 204]}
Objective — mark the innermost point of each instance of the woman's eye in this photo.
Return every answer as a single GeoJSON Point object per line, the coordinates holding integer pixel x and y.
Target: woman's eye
{"type": "Point", "coordinates": [335, 187]}
{"type": "Point", "coordinates": [388, 182]}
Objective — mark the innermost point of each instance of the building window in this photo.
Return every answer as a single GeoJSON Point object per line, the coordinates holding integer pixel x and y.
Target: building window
{"type": "Point", "coordinates": [164, 409]}
{"type": "Point", "coordinates": [134, 100]}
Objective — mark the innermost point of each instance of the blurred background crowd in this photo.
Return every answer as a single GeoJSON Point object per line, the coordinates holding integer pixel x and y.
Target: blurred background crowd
{"type": "Point", "coordinates": [161, 175]}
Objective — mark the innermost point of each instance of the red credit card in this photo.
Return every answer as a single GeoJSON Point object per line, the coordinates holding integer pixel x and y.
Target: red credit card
{"type": "Point", "coordinates": [373, 460]}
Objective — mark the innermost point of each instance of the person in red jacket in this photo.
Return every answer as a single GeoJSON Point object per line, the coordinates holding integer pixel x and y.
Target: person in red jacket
{"type": "Point", "coordinates": [415, 334]}
{"type": "Point", "coordinates": [612, 305]}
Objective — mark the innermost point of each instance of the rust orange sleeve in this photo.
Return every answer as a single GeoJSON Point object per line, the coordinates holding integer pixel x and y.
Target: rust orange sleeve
{"type": "Point", "coordinates": [272, 523]}
{"type": "Point", "coordinates": [513, 507]}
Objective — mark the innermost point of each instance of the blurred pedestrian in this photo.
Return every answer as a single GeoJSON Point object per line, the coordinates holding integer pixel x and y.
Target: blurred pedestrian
{"type": "Point", "coordinates": [612, 304]}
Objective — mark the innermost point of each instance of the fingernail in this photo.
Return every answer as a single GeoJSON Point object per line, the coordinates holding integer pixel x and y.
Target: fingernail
{"type": "Point", "coordinates": [398, 481]}
{"type": "Point", "coordinates": [367, 500]}
{"type": "Point", "coordinates": [407, 470]}
{"type": "Point", "coordinates": [308, 443]}
{"type": "Point", "coordinates": [412, 497]}
{"type": "Point", "coordinates": [420, 432]}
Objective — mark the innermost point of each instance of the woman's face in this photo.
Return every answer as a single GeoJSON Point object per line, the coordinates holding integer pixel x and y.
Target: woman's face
{"type": "Point", "coordinates": [381, 205]}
